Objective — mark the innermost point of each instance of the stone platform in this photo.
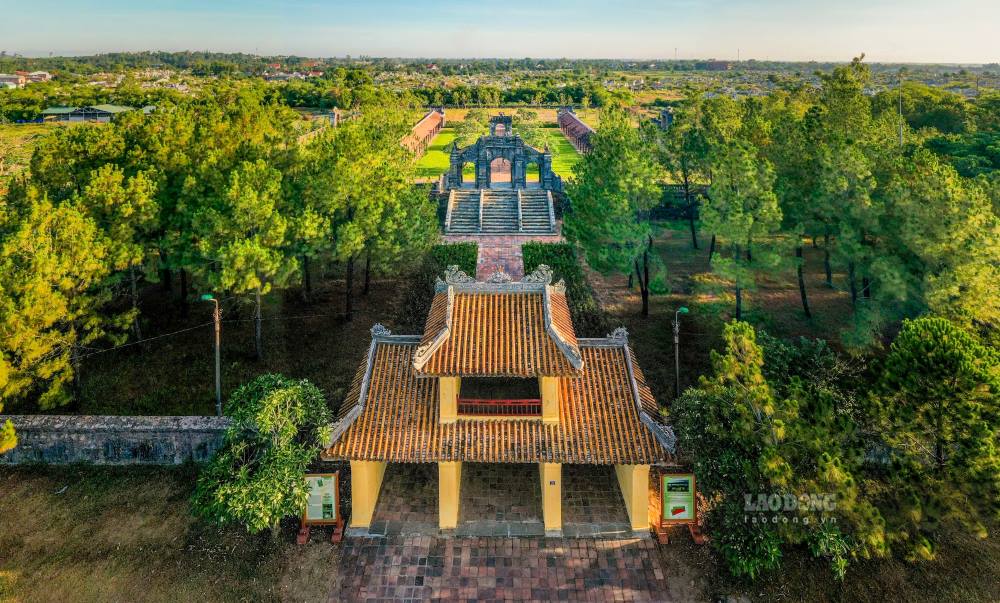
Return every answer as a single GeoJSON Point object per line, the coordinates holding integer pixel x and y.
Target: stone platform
{"type": "Point", "coordinates": [499, 500]}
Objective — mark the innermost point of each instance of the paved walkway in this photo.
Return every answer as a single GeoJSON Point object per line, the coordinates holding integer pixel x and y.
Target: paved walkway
{"type": "Point", "coordinates": [501, 251]}
{"type": "Point", "coordinates": [424, 568]}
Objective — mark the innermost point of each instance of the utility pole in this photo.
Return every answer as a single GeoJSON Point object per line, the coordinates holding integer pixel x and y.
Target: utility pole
{"type": "Point", "coordinates": [677, 350]}
{"type": "Point", "coordinates": [217, 317]}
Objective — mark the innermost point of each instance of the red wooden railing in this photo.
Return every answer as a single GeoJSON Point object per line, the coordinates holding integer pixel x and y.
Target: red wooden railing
{"type": "Point", "coordinates": [531, 407]}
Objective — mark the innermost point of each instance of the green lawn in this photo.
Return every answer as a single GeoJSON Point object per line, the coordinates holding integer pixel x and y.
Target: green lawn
{"type": "Point", "coordinates": [564, 156]}
{"type": "Point", "coordinates": [435, 161]}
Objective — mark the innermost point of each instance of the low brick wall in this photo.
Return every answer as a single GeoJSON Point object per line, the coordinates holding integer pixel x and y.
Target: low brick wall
{"type": "Point", "coordinates": [112, 440]}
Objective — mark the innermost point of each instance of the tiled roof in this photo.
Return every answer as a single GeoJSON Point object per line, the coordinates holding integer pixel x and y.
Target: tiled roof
{"type": "Point", "coordinates": [608, 415]}
{"type": "Point", "coordinates": [499, 328]}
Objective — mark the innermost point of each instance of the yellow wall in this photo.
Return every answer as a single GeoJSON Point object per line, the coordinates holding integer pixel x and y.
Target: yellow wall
{"type": "Point", "coordinates": [551, 478]}
{"type": "Point", "coordinates": [449, 493]}
{"type": "Point", "coordinates": [366, 481]}
{"type": "Point", "coordinates": [550, 399]}
{"type": "Point", "coordinates": [634, 482]}
{"type": "Point", "coordinates": [448, 388]}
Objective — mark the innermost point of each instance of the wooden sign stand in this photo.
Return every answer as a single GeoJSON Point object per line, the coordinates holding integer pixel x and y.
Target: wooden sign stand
{"type": "Point", "coordinates": [305, 524]}
{"type": "Point", "coordinates": [662, 526]}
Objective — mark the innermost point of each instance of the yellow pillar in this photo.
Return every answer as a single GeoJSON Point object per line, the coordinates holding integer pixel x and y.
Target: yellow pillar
{"type": "Point", "coordinates": [448, 393]}
{"type": "Point", "coordinates": [449, 492]}
{"type": "Point", "coordinates": [634, 482]}
{"type": "Point", "coordinates": [551, 477]}
{"type": "Point", "coordinates": [550, 399]}
{"type": "Point", "coordinates": [366, 481]}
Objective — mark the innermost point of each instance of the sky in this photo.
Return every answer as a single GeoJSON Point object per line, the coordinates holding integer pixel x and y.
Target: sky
{"type": "Point", "coordinates": [922, 31]}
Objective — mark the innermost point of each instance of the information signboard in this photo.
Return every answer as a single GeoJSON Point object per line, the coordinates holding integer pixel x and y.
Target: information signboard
{"type": "Point", "coordinates": [678, 490]}
{"type": "Point", "coordinates": [323, 505]}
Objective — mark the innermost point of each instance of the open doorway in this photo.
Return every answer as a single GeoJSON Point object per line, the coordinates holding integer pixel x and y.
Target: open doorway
{"type": "Point", "coordinates": [500, 173]}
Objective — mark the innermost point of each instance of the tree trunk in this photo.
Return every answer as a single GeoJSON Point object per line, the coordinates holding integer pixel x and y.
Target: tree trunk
{"type": "Point", "coordinates": [737, 254]}
{"type": "Point", "coordinates": [258, 340]}
{"type": "Point", "coordinates": [306, 279]}
{"type": "Point", "coordinates": [167, 279]}
{"type": "Point", "coordinates": [690, 212]}
{"type": "Point", "coordinates": [368, 271]}
{"type": "Point", "coordinates": [133, 278]}
{"type": "Point", "coordinates": [826, 257]}
{"type": "Point", "coordinates": [802, 283]}
{"type": "Point", "coordinates": [739, 303]}
{"type": "Point", "coordinates": [694, 231]}
{"type": "Point", "coordinates": [866, 288]}
{"type": "Point", "coordinates": [850, 279]}
{"type": "Point", "coordinates": [711, 249]}
{"type": "Point", "coordinates": [184, 291]}
{"type": "Point", "coordinates": [77, 363]}
{"type": "Point", "coordinates": [349, 291]}
{"type": "Point", "coordinates": [630, 277]}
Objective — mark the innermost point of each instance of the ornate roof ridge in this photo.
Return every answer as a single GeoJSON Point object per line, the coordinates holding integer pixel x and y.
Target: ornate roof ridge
{"type": "Point", "coordinates": [424, 352]}
{"type": "Point", "coordinates": [571, 351]}
{"type": "Point", "coordinates": [498, 282]}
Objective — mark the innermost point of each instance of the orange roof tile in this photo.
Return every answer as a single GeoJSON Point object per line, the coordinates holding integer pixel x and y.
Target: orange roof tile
{"type": "Point", "coordinates": [391, 415]}
{"type": "Point", "coordinates": [499, 329]}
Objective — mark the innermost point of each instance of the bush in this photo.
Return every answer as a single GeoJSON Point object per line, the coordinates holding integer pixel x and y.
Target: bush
{"type": "Point", "coordinates": [419, 286]}
{"type": "Point", "coordinates": [463, 255]}
{"type": "Point", "coordinates": [589, 319]}
{"type": "Point", "coordinates": [258, 476]}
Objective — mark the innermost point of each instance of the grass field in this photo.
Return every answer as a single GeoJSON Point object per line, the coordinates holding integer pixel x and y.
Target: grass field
{"type": "Point", "coordinates": [436, 160]}
{"type": "Point", "coordinates": [17, 143]}
{"type": "Point", "coordinates": [101, 534]}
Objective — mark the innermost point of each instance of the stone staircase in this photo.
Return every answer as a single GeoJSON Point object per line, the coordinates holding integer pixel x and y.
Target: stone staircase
{"type": "Point", "coordinates": [493, 212]}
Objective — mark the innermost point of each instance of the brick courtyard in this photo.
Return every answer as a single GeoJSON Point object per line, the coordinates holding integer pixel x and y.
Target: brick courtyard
{"type": "Point", "coordinates": [422, 568]}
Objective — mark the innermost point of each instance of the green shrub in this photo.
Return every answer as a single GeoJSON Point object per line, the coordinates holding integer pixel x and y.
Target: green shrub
{"type": "Point", "coordinates": [419, 285]}
{"type": "Point", "coordinates": [589, 319]}
{"type": "Point", "coordinates": [463, 255]}
{"type": "Point", "coordinates": [258, 476]}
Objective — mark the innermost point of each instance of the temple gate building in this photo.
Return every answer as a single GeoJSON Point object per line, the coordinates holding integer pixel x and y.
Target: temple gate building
{"type": "Point", "coordinates": [499, 376]}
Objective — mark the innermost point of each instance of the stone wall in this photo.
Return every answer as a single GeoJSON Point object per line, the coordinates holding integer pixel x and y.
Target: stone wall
{"type": "Point", "coordinates": [112, 440]}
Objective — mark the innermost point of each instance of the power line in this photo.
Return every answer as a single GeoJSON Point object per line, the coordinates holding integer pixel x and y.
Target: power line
{"type": "Point", "coordinates": [125, 345]}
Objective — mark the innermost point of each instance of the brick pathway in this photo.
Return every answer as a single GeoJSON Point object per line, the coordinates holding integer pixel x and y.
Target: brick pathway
{"type": "Point", "coordinates": [502, 251]}
{"type": "Point", "coordinates": [425, 568]}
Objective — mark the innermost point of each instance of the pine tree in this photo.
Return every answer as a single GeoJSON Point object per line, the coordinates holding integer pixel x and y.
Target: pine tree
{"type": "Point", "coordinates": [244, 233]}
{"type": "Point", "coordinates": [53, 263]}
{"type": "Point", "coordinates": [742, 210]}
{"type": "Point", "coordinates": [938, 407]}
{"type": "Point", "coordinates": [616, 184]}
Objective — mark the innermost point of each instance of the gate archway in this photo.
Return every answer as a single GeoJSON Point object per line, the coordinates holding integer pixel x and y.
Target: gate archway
{"type": "Point", "coordinates": [502, 147]}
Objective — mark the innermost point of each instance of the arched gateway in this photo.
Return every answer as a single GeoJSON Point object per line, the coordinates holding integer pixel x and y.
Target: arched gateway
{"type": "Point", "coordinates": [502, 143]}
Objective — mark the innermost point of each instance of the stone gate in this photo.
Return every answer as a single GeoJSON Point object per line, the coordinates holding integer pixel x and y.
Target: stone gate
{"type": "Point", "coordinates": [502, 143]}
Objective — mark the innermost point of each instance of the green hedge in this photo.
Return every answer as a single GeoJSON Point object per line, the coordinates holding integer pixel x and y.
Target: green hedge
{"type": "Point", "coordinates": [589, 319]}
{"type": "Point", "coordinates": [419, 285]}
{"type": "Point", "coordinates": [463, 255]}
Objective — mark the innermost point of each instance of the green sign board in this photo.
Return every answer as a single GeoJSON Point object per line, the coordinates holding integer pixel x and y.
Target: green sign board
{"type": "Point", "coordinates": [322, 506]}
{"type": "Point", "coordinates": [678, 497]}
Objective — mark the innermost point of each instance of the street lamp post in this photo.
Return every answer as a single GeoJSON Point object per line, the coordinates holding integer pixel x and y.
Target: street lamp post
{"type": "Point", "coordinates": [217, 317]}
{"type": "Point", "coordinates": [677, 350]}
